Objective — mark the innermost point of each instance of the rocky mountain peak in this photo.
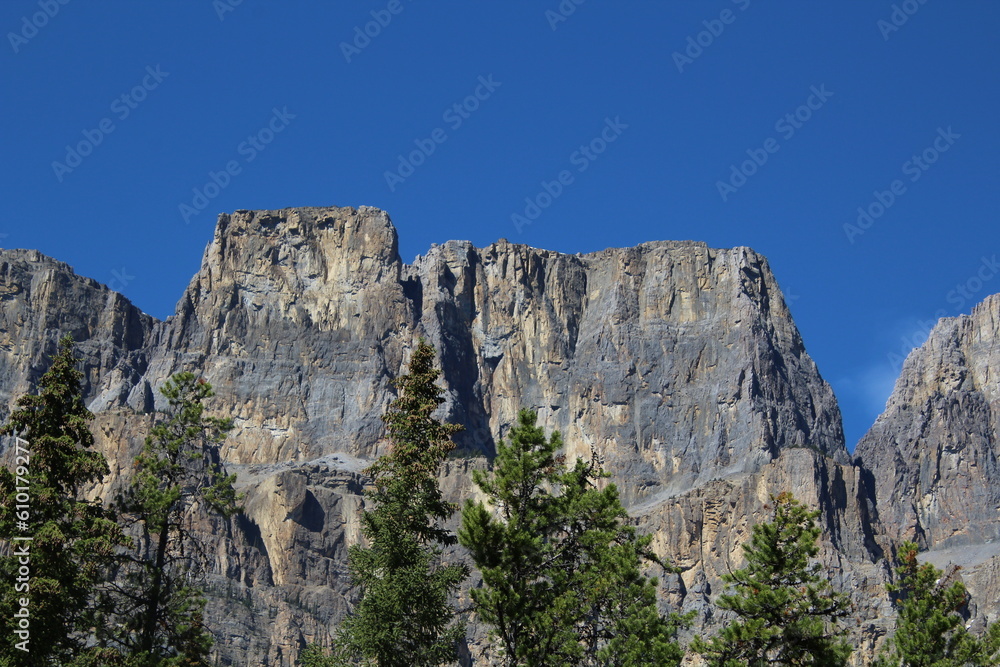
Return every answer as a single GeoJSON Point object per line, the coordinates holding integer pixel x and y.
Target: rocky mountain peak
{"type": "Point", "coordinates": [677, 364]}
{"type": "Point", "coordinates": [935, 452]}
{"type": "Point", "coordinates": [264, 256]}
{"type": "Point", "coordinates": [42, 299]}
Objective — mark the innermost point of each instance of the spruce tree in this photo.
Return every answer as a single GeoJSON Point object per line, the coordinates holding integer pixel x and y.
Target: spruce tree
{"type": "Point", "coordinates": [404, 617]}
{"type": "Point", "coordinates": [159, 603]}
{"type": "Point", "coordinates": [313, 656]}
{"type": "Point", "coordinates": [562, 571]}
{"type": "Point", "coordinates": [70, 541]}
{"type": "Point", "coordinates": [786, 610]}
{"type": "Point", "coordinates": [930, 629]}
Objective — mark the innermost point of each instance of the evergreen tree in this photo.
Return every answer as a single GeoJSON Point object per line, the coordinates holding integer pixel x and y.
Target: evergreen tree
{"type": "Point", "coordinates": [930, 630]}
{"type": "Point", "coordinates": [159, 605]}
{"type": "Point", "coordinates": [404, 617]}
{"type": "Point", "coordinates": [786, 610]}
{"type": "Point", "coordinates": [562, 579]}
{"type": "Point", "coordinates": [72, 540]}
{"type": "Point", "coordinates": [313, 656]}
{"type": "Point", "coordinates": [990, 652]}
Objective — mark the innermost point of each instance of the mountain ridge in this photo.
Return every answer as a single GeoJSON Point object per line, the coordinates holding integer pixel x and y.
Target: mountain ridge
{"type": "Point", "coordinates": [679, 364]}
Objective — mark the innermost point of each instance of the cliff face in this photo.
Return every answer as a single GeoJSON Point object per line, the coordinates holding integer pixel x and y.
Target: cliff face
{"type": "Point", "coordinates": [687, 354]}
{"type": "Point", "coordinates": [934, 452]}
{"type": "Point", "coordinates": [41, 300]}
{"type": "Point", "coordinates": [678, 364]}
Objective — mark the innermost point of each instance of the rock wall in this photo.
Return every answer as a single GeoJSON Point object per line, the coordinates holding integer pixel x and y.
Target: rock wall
{"type": "Point", "coordinates": [933, 453]}
{"type": "Point", "coordinates": [40, 301]}
{"type": "Point", "coordinates": [678, 364]}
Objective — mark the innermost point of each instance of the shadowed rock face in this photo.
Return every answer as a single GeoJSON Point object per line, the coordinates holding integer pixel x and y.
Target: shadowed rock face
{"type": "Point", "coordinates": [677, 364]}
{"type": "Point", "coordinates": [933, 453]}
{"type": "Point", "coordinates": [40, 301]}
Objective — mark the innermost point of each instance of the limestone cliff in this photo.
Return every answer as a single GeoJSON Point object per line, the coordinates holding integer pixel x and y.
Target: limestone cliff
{"type": "Point", "coordinates": [677, 363]}
{"type": "Point", "coordinates": [41, 300]}
{"type": "Point", "coordinates": [933, 454]}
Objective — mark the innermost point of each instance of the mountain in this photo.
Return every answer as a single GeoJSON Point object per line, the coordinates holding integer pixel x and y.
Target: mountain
{"type": "Point", "coordinates": [934, 453]}
{"type": "Point", "coordinates": [677, 364]}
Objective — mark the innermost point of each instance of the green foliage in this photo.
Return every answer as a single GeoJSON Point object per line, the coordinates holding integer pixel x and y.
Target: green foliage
{"type": "Point", "coordinates": [990, 652]}
{"type": "Point", "coordinates": [313, 656]}
{"type": "Point", "coordinates": [930, 631]}
{"type": "Point", "coordinates": [786, 610]}
{"type": "Point", "coordinates": [404, 617]}
{"type": "Point", "coordinates": [562, 579]}
{"type": "Point", "coordinates": [158, 607]}
{"type": "Point", "coordinates": [73, 540]}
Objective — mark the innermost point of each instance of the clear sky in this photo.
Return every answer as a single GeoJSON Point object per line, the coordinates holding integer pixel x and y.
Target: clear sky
{"type": "Point", "coordinates": [735, 122]}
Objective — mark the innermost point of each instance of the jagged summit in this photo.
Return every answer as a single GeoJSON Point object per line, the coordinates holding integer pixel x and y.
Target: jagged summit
{"type": "Point", "coordinates": [935, 450]}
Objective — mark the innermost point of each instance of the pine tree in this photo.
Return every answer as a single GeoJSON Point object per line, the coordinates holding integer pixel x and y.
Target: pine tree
{"type": "Point", "coordinates": [159, 604]}
{"type": "Point", "coordinates": [562, 572]}
{"type": "Point", "coordinates": [313, 656]}
{"type": "Point", "coordinates": [930, 629]}
{"type": "Point", "coordinates": [404, 617]}
{"type": "Point", "coordinates": [990, 652]}
{"type": "Point", "coordinates": [72, 540]}
{"type": "Point", "coordinates": [786, 609]}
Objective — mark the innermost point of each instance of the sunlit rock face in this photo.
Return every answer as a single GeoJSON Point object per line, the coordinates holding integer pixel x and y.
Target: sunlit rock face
{"type": "Point", "coordinates": [676, 364]}
{"type": "Point", "coordinates": [934, 454]}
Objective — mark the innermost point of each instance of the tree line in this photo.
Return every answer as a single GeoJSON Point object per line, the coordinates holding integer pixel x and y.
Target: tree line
{"type": "Point", "coordinates": [559, 575]}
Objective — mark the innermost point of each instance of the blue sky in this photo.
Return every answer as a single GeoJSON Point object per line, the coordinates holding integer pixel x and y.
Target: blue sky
{"type": "Point", "coordinates": [735, 122]}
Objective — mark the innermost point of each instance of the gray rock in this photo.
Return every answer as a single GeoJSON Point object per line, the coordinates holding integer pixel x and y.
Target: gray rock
{"type": "Point", "coordinates": [677, 364]}
{"type": "Point", "coordinates": [933, 453]}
